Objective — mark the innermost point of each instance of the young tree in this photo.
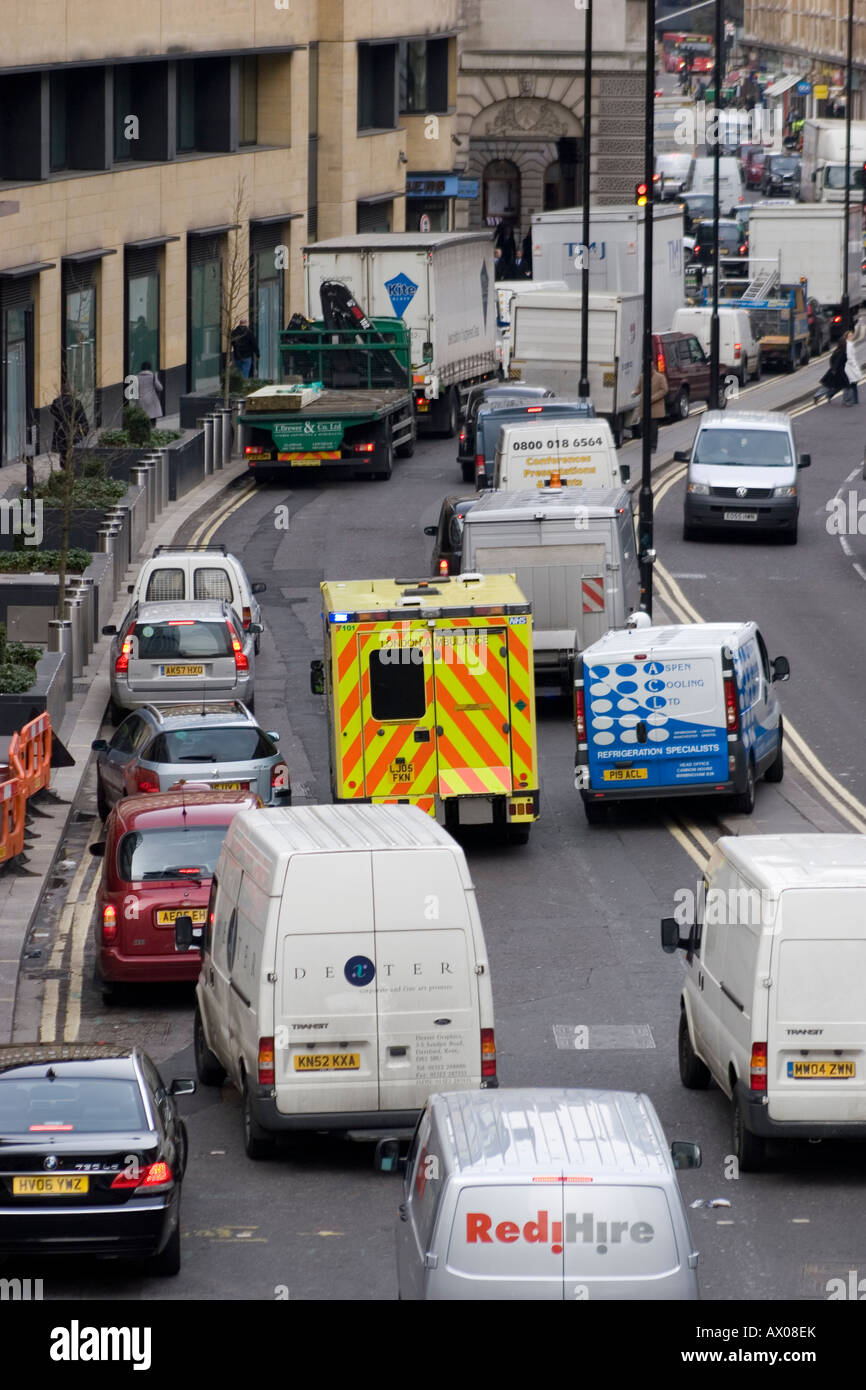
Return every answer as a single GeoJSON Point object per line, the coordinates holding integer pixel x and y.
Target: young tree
{"type": "Point", "coordinates": [71, 427]}
{"type": "Point", "coordinates": [235, 280]}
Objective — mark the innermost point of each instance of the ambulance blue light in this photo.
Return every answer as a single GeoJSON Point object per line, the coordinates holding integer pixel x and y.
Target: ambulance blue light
{"type": "Point", "coordinates": [338, 617]}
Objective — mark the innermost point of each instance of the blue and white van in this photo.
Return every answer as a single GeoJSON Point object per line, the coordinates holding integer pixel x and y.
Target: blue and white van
{"type": "Point", "coordinates": [684, 710]}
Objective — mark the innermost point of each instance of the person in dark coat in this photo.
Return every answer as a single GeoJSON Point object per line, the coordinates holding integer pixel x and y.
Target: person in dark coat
{"type": "Point", "coordinates": [834, 379]}
{"type": "Point", "coordinates": [527, 250]}
{"type": "Point", "coordinates": [520, 270]}
{"type": "Point", "coordinates": [245, 348]}
{"type": "Point", "coordinates": [71, 425]}
{"type": "Point", "coordinates": [505, 242]}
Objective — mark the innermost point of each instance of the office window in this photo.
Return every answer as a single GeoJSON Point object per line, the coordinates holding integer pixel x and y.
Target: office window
{"type": "Point", "coordinates": [79, 336]}
{"type": "Point", "coordinates": [142, 316]}
{"type": "Point", "coordinates": [248, 97]}
{"type": "Point", "coordinates": [58, 121]}
{"type": "Point", "coordinates": [423, 75]}
{"type": "Point", "coordinates": [185, 107]}
{"type": "Point", "coordinates": [122, 108]}
{"type": "Point", "coordinates": [377, 104]}
{"type": "Point", "coordinates": [205, 312]}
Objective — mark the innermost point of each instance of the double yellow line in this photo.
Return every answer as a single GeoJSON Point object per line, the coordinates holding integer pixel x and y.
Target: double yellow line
{"type": "Point", "coordinates": [202, 534]}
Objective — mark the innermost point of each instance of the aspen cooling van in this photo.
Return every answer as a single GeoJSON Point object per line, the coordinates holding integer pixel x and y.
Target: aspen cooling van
{"type": "Point", "coordinates": [557, 452]}
{"type": "Point", "coordinates": [542, 1194]}
{"type": "Point", "coordinates": [430, 698]}
{"type": "Point", "coordinates": [574, 556]}
{"type": "Point", "coordinates": [684, 710]}
{"type": "Point", "coordinates": [344, 972]}
{"type": "Point", "coordinates": [772, 1005]}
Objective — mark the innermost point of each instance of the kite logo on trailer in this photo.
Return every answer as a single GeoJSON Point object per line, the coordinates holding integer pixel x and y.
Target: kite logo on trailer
{"type": "Point", "coordinates": [539, 1232]}
{"type": "Point", "coordinates": [401, 292]}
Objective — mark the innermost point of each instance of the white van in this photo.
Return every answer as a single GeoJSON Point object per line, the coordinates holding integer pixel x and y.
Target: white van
{"type": "Point", "coordinates": [542, 1194]}
{"type": "Point", "coordinates": [344, 973]}
{"type": "Point", "coordinates": [732, 186]}
{"type": "Point", "coordinates": [738, 346]}
{"type": "Point", "coordinates": [772, 1006]}
{"type": "Point", "coordinates": [557, 453]}
{"type": "Point", "coordinates": [684, 710]}
{"type": "Point", "coordinates": [575, 558]}
{"type": "Point", "coordinates": [177, 574]}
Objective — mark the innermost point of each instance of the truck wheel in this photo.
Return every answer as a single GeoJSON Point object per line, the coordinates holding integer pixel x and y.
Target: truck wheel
{"type": "Point", "coordinates": [776, 771]}
{"type": "Point", "coordinates": [406, 450]}
{"type": "Point", "coordinates": [756, 374]}
{"type": "Point", "coordinates": [617, 431]}
{"type": "Point", "coordinates": [596, 812]}
{"type": "Point", "coordinates": [211, 1071]}
{"type": "Point", "coordinates": [102, 806]}
{"type": "Point", "coordinates": [257, 1144]}
{"type": "Point", "coordinates": [749, 1149]}
{"type": "Point", "coordinates": [694, 1074]}
{"type": "Point", "coordinates": [383, 474]}
{"type": "Point", "coordinates": [453, 417]}
{"type": "Point", "coordinates": [744, 801]}
{"type": "Point", "coordinates": [467, 469]}
{"type": "Point", "coordinates": [517, 834]}
{"type": "Point", "coordinates": [682, 404]}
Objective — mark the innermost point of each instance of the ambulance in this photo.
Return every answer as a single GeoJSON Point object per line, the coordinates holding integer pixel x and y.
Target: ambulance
{"type": "Point", "coordinates": [430, 698]}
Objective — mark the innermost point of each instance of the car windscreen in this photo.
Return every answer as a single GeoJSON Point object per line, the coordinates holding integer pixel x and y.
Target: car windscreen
{"type": "Point", "coordinates": [757, 448]}
{"type": "Point", "coordinates": [182, 637]}
{"type": "Point", "coordinates": [59, 1104]}
{"type": "Point", "coordinates": [780, 165]}
{"type": "Point", "coordinates": [834, 176]}
{"type": "Point", "coordinates": [172, 853]}
{"type": "Point", "coordinates": [232, 743]}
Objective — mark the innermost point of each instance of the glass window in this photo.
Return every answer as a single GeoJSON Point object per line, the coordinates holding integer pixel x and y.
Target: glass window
{"type": "Point", "coordinates": [229, 743]}
{"type": "Point", "coordinates": [172, 853]}
{"type": "Point", "coordinates": [165, 586]}
{"type": "Point", "coordinates": [268, 312]}
{"type": "Point", "coordinates": [765, 448]}
{"type": "Point", "coordinates": [85, 1105]}
{"type": "Point", "coordinates": [212, 583]}
{"type": "Point", "coordinates": [59, 126]}
{"type": "Point", "coordinates": [122, 741]}
{"type": "Point", "coordinates": [186, 106]}
{"type": "Point", "coordinates": [248, 98]}
{"type": "Point", "coordinates": [123, 148]}
{"type": "Point", "coordinates": [397, 685]}
{"type": "Point", "coordinates": [181, 638]}
{"type": "Point", "coordinates": [376, 86]}
{"type": "Point", "coordinates": [205, 325]}
{"type": "Point", "coordinates": [14, 384]}
{"type": "Point", "coordinates": [79, 344]}
{"type": "Point", "coordinates": [696, 352]}
{"type": "Point", "coordinates": [142, 293]}
{"type": "Point", "coordinates": [413, 75]}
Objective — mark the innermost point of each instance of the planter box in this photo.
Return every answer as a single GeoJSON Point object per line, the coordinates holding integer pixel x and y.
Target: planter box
{"type": "Point", "coordinates": [118, 461]}
{"type": "Point", "coordinates": [196, 404]}
{"type": "Point", "coordinates": [47, 693]}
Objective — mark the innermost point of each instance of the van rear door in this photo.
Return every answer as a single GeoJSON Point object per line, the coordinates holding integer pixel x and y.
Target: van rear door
{"type": "Point", "coordinates": [620, 1243]}
{"type": "Point", "coordinates": [564, 583]}
{"type": "Point", "coordinates": [506, 1242]}
{"type": "Point", "coordinates": [656, 721]}
{"type": "Point", "coordinates": [473, 709]}
{"type": "Point", "coordinates": [426, 985]}
{"type": "Point", "coordinates": [397, 708]}
{"type": "Point", "coordinates": [326, 1055]}
{"type": "Point", "coordinates": [816, 1050]}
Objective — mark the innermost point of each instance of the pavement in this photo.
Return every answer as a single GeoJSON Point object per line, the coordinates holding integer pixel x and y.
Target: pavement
{"type": "Point", "coordinates": [45, 865]}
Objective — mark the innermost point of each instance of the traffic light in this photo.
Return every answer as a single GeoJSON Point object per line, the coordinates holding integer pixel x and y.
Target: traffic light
{"type": "Point", "coordinates": [641, 194]}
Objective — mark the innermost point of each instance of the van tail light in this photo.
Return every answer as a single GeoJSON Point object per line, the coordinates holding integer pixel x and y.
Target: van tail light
{"type": "Point", "coordinates": [732, 709]}
{"type": "Point", "coordinates": [738, 349]}
{"type": "Point", "coordinates": [579, 714]}
{"type": "Point", "coordinates": [144, 1178]}
{"type": "Point", "coordinates": [443, 567]}
{"type": "Point", "coordinates": [109, 924]}
{"type": "Point", "coordinates": [121, 665]}
{"type": "Point", "coordinates": [488, 1052]}
{"type": "Point", "coordinates": [247, 616]}
{"type": "Point", "coordinates": [280, 778]}
{"type": "Point", "coordinates": [145, 782]}
{"type": "Point", "coordinates": [266, 1062]}
{"type": "Point", "coordinates": [480, 465]}
{"type": "Point", "coordinates": [837, 318]}
{"type": "Point", "coordinates": [758, 1067]}
{"type": "Point", "coordinates": [241, 662]}
{"type": "Point", "coordinates": [462, 436]}
{"type": "Point", "coordinates": [661, 364]}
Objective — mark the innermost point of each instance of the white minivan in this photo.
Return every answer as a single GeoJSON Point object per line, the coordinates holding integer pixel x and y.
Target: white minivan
{"type": "Point", "coordinates": [542, 1194]}
{"type": "Point", "coordinates": [772, 1004]}
{"type": "Point", "coordinates": [732, 186]}
{"type": "Point", "coordinates": [738, 345]}
{"type": "Point", "coordinates": [557, 453]}
{"type": "Point", "coordinates": [344, 972]}
{"type": "Point", "coordinates": [178, 574]}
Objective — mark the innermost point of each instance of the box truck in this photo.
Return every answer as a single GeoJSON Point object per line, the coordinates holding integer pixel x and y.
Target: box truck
{"type": "Point", "coordinates": [545, 349]}
{"type": "Point", "coordinates": [615, 253]}
{"type": "Point", "coordinates": [441, 285]}
{"type": "Point", "coordinates": [822, 176]}
{"type": "Point", "coordinates": [809, 242]}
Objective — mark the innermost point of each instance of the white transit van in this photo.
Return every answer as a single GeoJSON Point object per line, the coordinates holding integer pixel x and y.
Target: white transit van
{"type": "Point", "coordinates": [542, 1194]}
{"type": "Point", "coordinates": [344, 973]}
{"type": "Point", "coordinates": [738, 346]}
{"type": "Point", "coordinates": [685, 710]}
{"type": "Point", "coordinates": [557, 453]}
{"type": "Point", "coordinates": [732, 186]}
{"type": "Point", "coordinates": [177, 574]}
{"type": "Point", "coordinates": [772, 1005]}
{"type": "Point", "coordinates": [575, 558]}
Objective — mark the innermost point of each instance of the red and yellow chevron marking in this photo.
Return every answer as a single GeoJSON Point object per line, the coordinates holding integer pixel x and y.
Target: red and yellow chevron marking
{"type": "Point", "coordinates": [472, 712]}
{"type": "Point", "coordinates": [385, 743]}
{"type": "Point", "coordinates": [521, 685]}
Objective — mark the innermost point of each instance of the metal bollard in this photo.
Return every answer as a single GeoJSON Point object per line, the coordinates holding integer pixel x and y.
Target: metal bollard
{"type": "Point", "coordinates": [119, 516]}
{"type": "Point", "coordinates": [138, 527]}
{"type": "Point", "coordinates": [227, 413]}
{"type": "Point", "coordinates": [89, 597]}
{"type": "Point", "coordinates": [105, 543]}
{"type": "Point", "coordinates": [73, 608]}
{"type": "Point", "coordinates": [82, 595]}
{"type": "Point", "coordinates": [60, 640]}
{"type": "Point", "coordinates": [205, 424]}
{"type": "Point", "coordinates": [217, 426]}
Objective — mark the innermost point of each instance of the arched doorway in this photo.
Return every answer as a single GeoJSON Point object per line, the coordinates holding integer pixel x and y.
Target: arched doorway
{"type": "Point", "coordinates": [501, 184]}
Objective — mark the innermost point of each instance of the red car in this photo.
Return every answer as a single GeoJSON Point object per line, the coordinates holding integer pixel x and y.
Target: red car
{"type": "Point", "coordinates": [159, 855]}
{"type": "Point", "coordinates": [753, 165]}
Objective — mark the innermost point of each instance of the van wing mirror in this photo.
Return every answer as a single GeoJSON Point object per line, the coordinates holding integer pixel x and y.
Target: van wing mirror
{"type": "Point", "coordinates": [430, 530]}
{"type": "Point", "coordinates": [671, 939]}
{"type": "Point", "coordinates": [681, 455]}
{"type": "Point", "coordinates": [391, 1155]}
{"type": "Point", "coordinates": [317, 677]}
{"type": "Point", "coordinates": [685, 1154]}
{"type": "Point", "coordinates": [184, 1086]}
{"type": "Point", "coordinates": [187, 937]}
{"type": "Point", "coordinates": [625, 472]}
{"type": "Point", "coordinates": [255, 628]}
{"type": "Point", "coordinates": [98, 849]}
{"type": "Point", "coordinates": [781, 669]}
{"type": "Point", "coordinates": [259, 588]}
{"type": "Point", "coordinates": [805, 461]}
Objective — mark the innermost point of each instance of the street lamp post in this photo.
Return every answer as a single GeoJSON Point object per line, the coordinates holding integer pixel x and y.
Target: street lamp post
{"type": "Point", "coordinates": [714, 318]}
{"type": "Point", "coordinates": [645, 499]}
{"type": "Point", "coordinates": [583, 386]}
{"type": "Point", "coordinates": [846, 304]}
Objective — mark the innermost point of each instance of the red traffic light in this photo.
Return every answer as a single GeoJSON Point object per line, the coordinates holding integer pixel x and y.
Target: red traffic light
{"type": "Point", "coordinates": [641, 194]}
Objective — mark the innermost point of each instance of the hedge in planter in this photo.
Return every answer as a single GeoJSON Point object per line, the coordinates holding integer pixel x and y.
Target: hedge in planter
{"type": "Point", "coordinates": [32, 561]}
{"type": "Point", "coordinates": [17, 665]}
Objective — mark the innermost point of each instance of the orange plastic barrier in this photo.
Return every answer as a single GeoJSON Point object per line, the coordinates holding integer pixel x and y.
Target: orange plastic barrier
{"type": "Point", "coordinates": [13, 806]}
{"type": "Point", "coordinates": [30, 754]}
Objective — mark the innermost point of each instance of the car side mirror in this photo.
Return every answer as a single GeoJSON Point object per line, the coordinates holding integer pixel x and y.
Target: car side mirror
{"type": "Point", "coordinates": [671, 939]}
{"type": "Point", "coordinates": [109, 631]}
{"type": "Point", "coordinates": [430, 530]}
{"type": "Point", "coordinates": [682, 455]}
{"type": "Point", "coordinates": [99, 745]}
{"type": "Point", "coordinates": [98, 850]}
{"type": "Point", "coordinates": [259, 587]}
{"type": "Point", "coordinates": [130, 588]}
{"type": "Point", "coordinates": [255, 629]}
{"type": "Point", "coordinates": [187, 937]}
{"type": "Point", "coordinates": [273, 735]}
{"type": "Point", "coordinates": [805, 461]}
{"type": "Point", "coordinates": [685, 1154]}
{"type": "Point", "coordinates": [391, 1155]}
{"type": "Point", "coordinates": [317, 677]}
{"type": "Point", "coordinates": [781, 669]}
{"type": "Point", "coordinates": [625, 472]}
{"type": "Point", "coordinates": [186, 1087]}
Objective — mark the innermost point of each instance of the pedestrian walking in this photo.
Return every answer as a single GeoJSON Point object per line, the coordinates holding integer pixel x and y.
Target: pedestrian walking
{"type": "Point", "coordinates": [71, 425]}
{"type": "Point", "coordinates": [658, 402]}
{"type": "Point", "coordinates": [520, 270]}
{"type": "Point", "coordinates": [245, 348]}
{"type": "Point", "coordinates": [149, 391]}
{"type": "Point", "coordinates": [853, 371]}
{"type": "Point", "coordinates": [834, 379]}
{"type": "Point", "coordinates": [527, 249]}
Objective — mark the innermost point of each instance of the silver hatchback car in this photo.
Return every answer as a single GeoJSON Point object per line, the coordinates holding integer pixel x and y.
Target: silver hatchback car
{"type": "Point", "coordinates": [176, 653]}
{"type": "Point", "coordinates": [220, 744]}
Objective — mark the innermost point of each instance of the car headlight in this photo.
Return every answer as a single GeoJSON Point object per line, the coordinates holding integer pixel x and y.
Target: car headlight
{"type": "Point", "coordinates": [699, 489]}
{"type": "Point", "coordinates": [784, 492]}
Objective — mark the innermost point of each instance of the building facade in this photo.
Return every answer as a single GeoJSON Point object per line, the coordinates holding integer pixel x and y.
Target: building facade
{"type": "Point", "coordinates": [522, 104]}
{"type": "Point", "coordinates": [156, 187]}
{"type": "Point", "coordinates": [806, 49]}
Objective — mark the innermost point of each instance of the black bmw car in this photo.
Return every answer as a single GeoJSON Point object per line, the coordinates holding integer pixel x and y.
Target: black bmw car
{"type": "Point", "coordinates": [92, 1154]}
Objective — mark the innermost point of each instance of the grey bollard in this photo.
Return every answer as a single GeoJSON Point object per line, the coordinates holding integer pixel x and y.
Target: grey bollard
{"type": "Point", "coordinates": [105, 545]}
{"type": "Point", "coordinates": [73, 608]}
{"type": "Point", "coordinates": [138, 478]}
{"type": "Point", "coordinates": [119, 516]}
{"type": "Point", "coordinates": [151, 490]}
{"type": "Point", "coordinates": [205, 424]}
{"type": "Point", "coordinates": [228, 414]}
{"type": "Point", "coordinates": [217, 428]}
{"type": "Point", "coordinates": [89, 595]}
{"type": "Point", "coordinates": [60, 640]}
{"type": "Point", "coordinates": [82, 595]}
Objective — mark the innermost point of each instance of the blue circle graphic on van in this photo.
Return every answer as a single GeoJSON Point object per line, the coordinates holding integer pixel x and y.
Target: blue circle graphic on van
{"type": "Point", "coordinates": [626, 687]}
{"type": "Point", "coordinates": [654, 668]}
{"type": "Point", "coordinates": [626, 670]}
{"type": "Point", "coordinates": [656, 702]}
{"type": "Point", "coordinates": [599, 672]}
{"type": "Point", "coordinates": [655, 685]}
{"type": "Point", "coordinates": [359, 970]}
